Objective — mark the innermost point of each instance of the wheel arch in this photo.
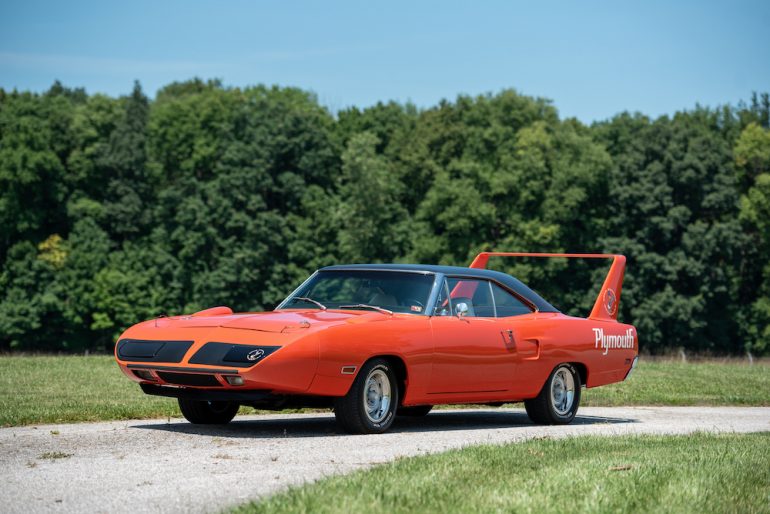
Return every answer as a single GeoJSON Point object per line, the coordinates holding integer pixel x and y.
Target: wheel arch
{"type": "Point", "coordinates": [582, 370]}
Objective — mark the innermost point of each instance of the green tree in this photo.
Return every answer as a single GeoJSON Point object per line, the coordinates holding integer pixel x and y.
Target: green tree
{"type": "Point", "coordinates": [371, 221]}
{"type": "Point", "coordinates": [124, 165]}
{"type": "Point", "coordinates": [33, 141]}
{"type": "Point", "coordinates": [114, 210]}
{"type": "Point", "coordinates": [752, 156]}
{"type": "Point", "coordinates": [28, 310]}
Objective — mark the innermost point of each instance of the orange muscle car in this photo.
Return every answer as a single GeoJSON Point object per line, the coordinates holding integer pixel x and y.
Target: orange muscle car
{"type": "Point", "coordinates": [375, 341]}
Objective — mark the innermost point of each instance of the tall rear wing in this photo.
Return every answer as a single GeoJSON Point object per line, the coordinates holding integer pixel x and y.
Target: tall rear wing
{"type": "Point", "coordinates": [606, 305]}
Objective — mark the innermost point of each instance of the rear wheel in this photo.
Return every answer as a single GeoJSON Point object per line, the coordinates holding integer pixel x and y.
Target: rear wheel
{"type": "Point", "coordinates": [419, 410]}
{"type": "Point", "coordinates": [370, 405]}
{"type": "Point", "coordinates": [208, 413]}
{"type": "Point", "coordinates": [558, 401]}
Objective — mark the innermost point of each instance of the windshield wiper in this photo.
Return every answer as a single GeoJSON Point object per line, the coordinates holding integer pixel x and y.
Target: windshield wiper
{"type": "Point", "coordinates": [306, 299]}
{"type": "Point", "coordinates": [365, 306]}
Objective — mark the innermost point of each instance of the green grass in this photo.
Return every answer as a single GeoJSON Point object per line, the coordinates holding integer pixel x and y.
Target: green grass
{"type": "Point", "coordinates": [698, 473]}
{"type": "Point", "coordinates": [678, 383]}
{"type": "Point", "coordinates": [52, 389]}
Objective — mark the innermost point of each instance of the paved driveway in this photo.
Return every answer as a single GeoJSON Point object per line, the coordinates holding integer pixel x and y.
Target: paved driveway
{"type": "Point", "coordinates": [162, 466]}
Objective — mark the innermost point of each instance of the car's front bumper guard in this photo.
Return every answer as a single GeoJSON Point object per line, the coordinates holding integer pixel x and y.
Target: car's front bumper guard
{"type": "Point", "coordinates": [186, 377]}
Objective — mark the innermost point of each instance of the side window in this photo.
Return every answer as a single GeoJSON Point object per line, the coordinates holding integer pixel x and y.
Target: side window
{"type": "Point", "coordinates": [473, 293]}
{"type": "Point", "coordinates": [507, 304]}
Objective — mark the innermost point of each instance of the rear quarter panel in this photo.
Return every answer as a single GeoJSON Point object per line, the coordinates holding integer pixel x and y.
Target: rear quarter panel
{"type": "Point", "coordinates": [605, 349]}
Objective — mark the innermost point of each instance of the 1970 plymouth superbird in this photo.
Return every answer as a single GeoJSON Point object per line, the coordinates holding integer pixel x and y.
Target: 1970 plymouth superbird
{"type": "Point", "coordinates": [374, 341]}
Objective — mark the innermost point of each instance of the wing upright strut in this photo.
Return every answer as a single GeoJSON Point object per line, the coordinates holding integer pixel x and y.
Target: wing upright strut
{"type": "Point", "coordinates": [606, 305]}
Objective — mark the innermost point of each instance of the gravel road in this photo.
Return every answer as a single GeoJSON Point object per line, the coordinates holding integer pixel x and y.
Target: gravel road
{"type": "Point", "coordinates": [173, 466]}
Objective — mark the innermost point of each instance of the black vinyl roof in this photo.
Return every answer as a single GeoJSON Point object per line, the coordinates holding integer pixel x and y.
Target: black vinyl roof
{"type": "Point", "coordinates": [508, 281]}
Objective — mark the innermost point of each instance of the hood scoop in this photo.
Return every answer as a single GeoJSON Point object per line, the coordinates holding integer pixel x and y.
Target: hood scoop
{"type": "Point", "coordinates": [214, 311]}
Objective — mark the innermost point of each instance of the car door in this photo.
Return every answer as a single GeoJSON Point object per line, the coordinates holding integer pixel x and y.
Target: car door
{"type": "Point", "coordinates": [470, 351]}
{"type": "Point", "coordinates": [517, 330]}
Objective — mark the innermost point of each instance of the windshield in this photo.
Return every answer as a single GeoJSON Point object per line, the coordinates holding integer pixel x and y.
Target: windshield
{"type": "Point", "coordinates": [395, 291]}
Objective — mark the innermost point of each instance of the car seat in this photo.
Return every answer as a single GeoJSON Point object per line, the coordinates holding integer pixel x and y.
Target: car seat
{"type": "Point", "coordinates": [383, 299]}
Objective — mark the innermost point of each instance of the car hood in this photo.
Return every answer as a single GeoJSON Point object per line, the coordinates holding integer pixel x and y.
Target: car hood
{"type": "Point", "coordinates": [275, 321]}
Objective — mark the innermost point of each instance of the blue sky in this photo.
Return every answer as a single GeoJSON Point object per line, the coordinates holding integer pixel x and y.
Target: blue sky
{"type": "Point", "coordinates": [593, 59]}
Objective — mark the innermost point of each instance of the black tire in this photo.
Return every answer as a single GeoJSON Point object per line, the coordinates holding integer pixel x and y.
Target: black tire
{"type": "Point", "coordinates": [416, 411]}
{"type": "Point", "coordinates": [208, 413]}
{"type": "Point", "coordinates": [353, 410]}
{"type": "Point", "coordinates": [543, 410]}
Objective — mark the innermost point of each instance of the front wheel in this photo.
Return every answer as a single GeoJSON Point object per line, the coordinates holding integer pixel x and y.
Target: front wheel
{"type": "Point", "coordinates": [208, 413]}
{"type": "Point", "coordinates": [558, 401]}
{"type": "Point", "coordinates": [370, 405]}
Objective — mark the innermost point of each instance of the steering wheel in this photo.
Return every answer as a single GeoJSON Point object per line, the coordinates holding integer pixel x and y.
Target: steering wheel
{"type": "Point", "coordinates": [412, 302]}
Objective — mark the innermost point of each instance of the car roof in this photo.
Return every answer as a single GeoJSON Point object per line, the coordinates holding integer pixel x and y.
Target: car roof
{"type": "Point", "coordinates": [508, 281]}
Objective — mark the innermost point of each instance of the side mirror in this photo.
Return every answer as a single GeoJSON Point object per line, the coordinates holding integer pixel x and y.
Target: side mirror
{"type": "Point", "coordinates": [461, 309]}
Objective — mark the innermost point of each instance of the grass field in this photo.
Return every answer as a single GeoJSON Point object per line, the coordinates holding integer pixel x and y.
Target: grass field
{"type": "Point", "coordinates": [51, 389]}
{"type": "Point", "coordinates": [699, 473]}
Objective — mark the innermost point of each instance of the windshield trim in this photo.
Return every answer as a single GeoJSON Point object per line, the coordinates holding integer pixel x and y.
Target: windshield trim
{"type": "Point", "coordinates": [283, 303]}
{"type": "Point", "coordinates": [431, 297]}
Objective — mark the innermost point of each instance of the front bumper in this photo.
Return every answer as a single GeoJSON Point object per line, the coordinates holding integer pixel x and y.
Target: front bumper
{"type": "Point", "coordinates": [182, 376]}
{"type": "Point", "coordinates": [251, 360]}
{"type": "Point", "coordinates": [257, 398]}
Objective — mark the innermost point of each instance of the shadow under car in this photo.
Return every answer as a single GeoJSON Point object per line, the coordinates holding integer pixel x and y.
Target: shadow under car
{"type": "Point", "coordinates": [323, 425]}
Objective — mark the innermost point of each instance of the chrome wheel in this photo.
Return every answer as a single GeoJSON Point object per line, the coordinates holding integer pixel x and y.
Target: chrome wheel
{"type": "Point", "coordinates": [369, 407]}
{"type": "Point", "coordinates": [377, 394]}
{"type": "Point", "coordinates": [562, 391]}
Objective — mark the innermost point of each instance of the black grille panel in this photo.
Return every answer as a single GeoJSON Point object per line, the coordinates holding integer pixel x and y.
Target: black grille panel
{"type": "Point", "coordinates": [189, 379]}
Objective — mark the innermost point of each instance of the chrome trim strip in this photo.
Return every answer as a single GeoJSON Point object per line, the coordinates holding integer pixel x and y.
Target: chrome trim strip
{"type": "Point", "coordinates": [183, 370]}
{"type": "Point", "coordinates": [308, 279]}
{"type": "Point", "coordinates": [492, 297]}
{"type": "Point", "coordinates": [438, 283]}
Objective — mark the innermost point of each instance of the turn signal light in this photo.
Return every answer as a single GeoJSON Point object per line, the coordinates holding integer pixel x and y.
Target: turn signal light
{"type": "Point", "coordinates": [145, 374]}
{"type": "Point", "coordinates": [234, 380]}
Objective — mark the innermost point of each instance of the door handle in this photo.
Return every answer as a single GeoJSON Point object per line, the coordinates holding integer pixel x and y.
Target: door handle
{"type": "Point", "coordinates": [510, 341]}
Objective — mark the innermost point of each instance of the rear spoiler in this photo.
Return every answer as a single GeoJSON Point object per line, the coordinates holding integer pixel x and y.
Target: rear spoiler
{"type": "Point", "coordinates": [606, 305]}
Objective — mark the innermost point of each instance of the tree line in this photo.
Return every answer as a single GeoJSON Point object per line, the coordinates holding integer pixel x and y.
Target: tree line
{"type": "Point", "coordinates": [116, 210]}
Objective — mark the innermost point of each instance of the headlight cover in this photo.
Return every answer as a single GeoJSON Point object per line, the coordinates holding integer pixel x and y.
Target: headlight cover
{"type": "Point", "coordinates": [229, 354]}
